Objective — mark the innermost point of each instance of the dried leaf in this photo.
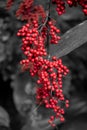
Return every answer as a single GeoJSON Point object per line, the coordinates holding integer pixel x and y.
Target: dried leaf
{"type": "Point", "coordinates": [71, 40]}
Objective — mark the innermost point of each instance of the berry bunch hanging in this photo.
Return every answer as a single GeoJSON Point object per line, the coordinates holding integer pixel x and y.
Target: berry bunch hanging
{"type": "Point", "coordinates": [49, 71]}
{"type": "Point", "coordinates": [60, 5]}
{"type": "Point", "coordinates": [37, 34]}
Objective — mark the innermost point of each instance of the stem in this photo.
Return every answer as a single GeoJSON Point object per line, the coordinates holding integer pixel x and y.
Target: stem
{"type": "Point", "coordinates": [46, 20]}
{"type": "Point", "coordinates": [48, 38]}
{"type": "Point", "coordinates": [36, 107]}
{"type": "Point", "coordinates": [49, 6]}
{"type": "Point", "coordinates": [45, 24]}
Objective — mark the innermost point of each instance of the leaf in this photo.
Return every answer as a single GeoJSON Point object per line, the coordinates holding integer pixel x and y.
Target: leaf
{"type": "Point", "coordinates": [4, 117]}
{"type": "Point", "coordinates": [71, 40]}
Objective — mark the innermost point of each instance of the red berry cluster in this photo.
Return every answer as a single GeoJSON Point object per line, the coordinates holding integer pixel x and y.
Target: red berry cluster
{"type": "Point", "coordinates": [61, 5]}
{"type": "Point", "coordinates": [33, 46]}
{"type": "Point", "coordinates": [82, 3]}
{"type": "Point", "coordinates": [9, 3]}
{"type": "Point", "coordinates": [26, 9]}
{"type": "Point", "coordinates": [54, 31]}
{"type": "Point", "coordinates": [50, 92]}
{"type": "Point", "coordinates": [34, 41]}
{"type": "Point", "coordinates": [49, 71]}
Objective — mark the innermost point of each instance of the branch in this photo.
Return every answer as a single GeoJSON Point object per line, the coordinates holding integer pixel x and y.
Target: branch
{"type": "Point", "coordinates": [48, 38]}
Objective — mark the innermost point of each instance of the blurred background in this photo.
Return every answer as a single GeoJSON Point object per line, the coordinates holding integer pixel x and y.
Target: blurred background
{"type": "Point", "coordinates": [17, 89]}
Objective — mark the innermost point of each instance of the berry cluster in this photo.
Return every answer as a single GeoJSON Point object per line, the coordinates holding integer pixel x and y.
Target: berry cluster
{"type": "Point", "coordinates": [9, 3]}
{"type": "Point", "coordinates": [50, 92]}
{"type": "Point", "coordinates": [61, 5]}
{"type": "Point", "coordinates": [27, 10]}
{"type": "Point", "coordinates": [54, 31]}
{"type": "Point", "coordinates": [34, 41]}
{"type": "Point", "coordinates": [49, 71]}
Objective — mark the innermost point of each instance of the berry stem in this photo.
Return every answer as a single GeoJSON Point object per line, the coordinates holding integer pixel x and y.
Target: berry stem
{"type": "Point", "coordinates": [36, 108]}
{"type": "Point", "coordinates": [45, 22]}
{"type": "Point", "coordinates": [48, 38]}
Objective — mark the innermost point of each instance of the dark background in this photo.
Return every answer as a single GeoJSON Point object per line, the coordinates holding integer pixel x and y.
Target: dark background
{"type": "Point", "coordinates": [17, 93]}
